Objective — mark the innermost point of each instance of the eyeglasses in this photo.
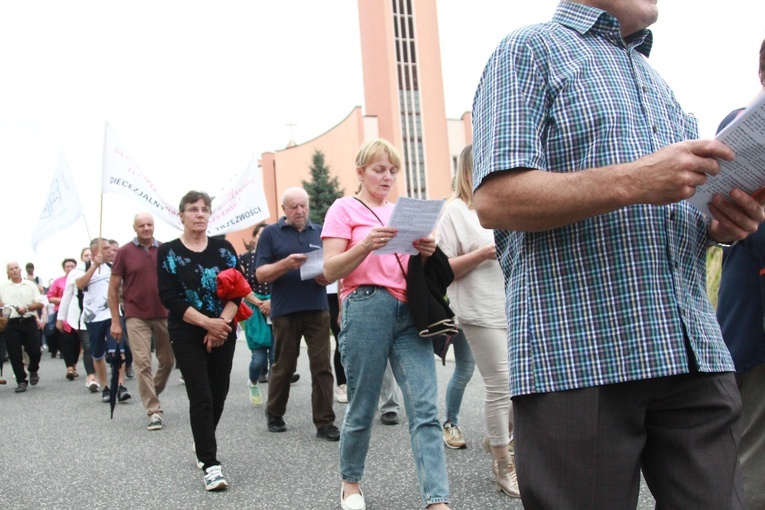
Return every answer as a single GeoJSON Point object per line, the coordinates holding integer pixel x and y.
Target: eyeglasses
{"type": "Point", "coordinates": [197, 210]}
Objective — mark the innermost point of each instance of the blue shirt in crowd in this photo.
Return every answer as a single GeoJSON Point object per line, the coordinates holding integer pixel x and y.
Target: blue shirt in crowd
{"type": "Point", "coordinates": [290, 294]}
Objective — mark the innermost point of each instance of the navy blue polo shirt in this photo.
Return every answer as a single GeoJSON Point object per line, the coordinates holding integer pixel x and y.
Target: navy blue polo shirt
{"type": "Point", "coordinates": [290, 294]}
{"type": "Point", "coordinates": [741, 301]}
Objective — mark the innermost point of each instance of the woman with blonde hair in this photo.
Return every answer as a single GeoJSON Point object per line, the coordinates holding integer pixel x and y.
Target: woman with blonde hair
{"type": "Point", "coordinates": [477, 298]}
{"type": "Point", "coordinates": [377, 327]}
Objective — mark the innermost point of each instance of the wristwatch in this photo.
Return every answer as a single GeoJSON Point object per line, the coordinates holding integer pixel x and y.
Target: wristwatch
{"type": "Point", "coordinates": [712, 242]}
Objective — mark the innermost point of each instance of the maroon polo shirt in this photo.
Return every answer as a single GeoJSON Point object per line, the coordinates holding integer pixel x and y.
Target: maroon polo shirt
{"type": "Point", "coordinates": [137, 266]}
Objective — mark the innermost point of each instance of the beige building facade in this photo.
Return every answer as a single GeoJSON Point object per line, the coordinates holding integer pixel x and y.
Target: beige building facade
{"type": "Point", "coordinates": [403, 103]}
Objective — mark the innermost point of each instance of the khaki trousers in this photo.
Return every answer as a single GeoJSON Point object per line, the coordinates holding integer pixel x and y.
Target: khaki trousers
{"type": "Point", "coordinates": [139, 332]}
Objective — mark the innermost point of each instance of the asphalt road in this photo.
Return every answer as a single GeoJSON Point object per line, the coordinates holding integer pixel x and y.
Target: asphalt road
{"type": "Point", "coordinates": [60, 450]}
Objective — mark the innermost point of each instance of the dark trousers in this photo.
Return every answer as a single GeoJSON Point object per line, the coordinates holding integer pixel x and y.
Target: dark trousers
{"type": "Point", "coordinates": [288, 330]}
{"type": "Point", "coordinates": [585, 448]}
{"type": "Point", "coordinates": [70, 347]}
{"type": "Point", "coordinates": [20, 333]}
{"type": "Point", "coordinates": [71, 342]}
{"type": "Point", "coordinates": [334, 313]}
{"type": "Point", "coordinates": [207, 377]}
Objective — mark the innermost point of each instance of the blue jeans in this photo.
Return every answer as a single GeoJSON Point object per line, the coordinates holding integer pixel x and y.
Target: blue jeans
{"type": "Point", "coordinates": [464, 365]}
{"type": "Point", "coordinates": [258, 362]}
{"type": "Point", "coordinates": [376, 327]}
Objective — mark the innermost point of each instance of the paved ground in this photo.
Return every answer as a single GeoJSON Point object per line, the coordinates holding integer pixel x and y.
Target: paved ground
{"type": "Point", "coordinates": [60, 450]}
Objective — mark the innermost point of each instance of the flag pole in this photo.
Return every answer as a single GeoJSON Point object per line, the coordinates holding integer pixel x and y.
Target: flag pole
{"type": "Point", "coordinates": [87, 230]}
{"type": "Point", "coordinates": [101, 201]}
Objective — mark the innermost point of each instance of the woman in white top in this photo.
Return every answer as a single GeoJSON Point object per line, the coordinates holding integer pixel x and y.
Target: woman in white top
{"type": "Point", "coordinates": [477, 297]}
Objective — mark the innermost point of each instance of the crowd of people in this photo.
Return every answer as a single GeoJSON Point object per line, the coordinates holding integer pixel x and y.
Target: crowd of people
{"type": "Point", "coordinates": [578, 287]}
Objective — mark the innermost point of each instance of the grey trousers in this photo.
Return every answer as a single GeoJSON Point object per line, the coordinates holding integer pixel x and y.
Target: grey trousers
{"type": "Point", "coordinates": [585, 448]}
{"type": "Point", "coordinates": [752, 451]}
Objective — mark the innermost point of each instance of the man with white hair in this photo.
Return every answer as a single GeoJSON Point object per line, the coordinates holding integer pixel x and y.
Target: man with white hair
{"type": "Point", "coordinates": [299, 309]}
{"type": "Point", "coordinates": [23, 298]}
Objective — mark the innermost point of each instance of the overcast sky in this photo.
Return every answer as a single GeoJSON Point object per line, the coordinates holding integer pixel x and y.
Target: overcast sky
{"type": "Point", "coordinates": [195, 89]}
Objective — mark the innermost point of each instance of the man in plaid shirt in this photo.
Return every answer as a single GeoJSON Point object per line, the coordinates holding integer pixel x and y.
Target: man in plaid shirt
{"type": "Point", "coordinates": [583, 159]}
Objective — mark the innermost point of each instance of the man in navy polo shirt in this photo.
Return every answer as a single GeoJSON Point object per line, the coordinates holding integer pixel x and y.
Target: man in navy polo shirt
{"type": "Point", "coordinates": [299, 308]}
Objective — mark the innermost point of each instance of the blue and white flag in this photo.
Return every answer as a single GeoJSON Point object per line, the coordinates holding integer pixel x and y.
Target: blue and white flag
{"type": "Point", "coordinates": [62, 207]}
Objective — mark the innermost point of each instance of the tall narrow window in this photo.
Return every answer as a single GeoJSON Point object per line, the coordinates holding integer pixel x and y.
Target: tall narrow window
{"type": "Point", "coordinates": [409, 99]}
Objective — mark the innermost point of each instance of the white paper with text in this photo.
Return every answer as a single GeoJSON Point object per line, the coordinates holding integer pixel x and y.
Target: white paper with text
{"type": "Point", "coordinates": [414, 219]}
{"type": "Point", "coordinates": [746, 136]}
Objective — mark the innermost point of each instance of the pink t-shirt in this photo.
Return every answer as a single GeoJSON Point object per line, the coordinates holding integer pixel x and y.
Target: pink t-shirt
{"type": "Point", "coordinates": [56, 290]}
{"type": "Point", "coordinates": [349, 219]}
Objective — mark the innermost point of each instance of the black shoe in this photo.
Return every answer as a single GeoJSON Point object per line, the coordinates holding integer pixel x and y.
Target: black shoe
{"type": "Point", "coordinates": [123, 394]}
{"type": "Point", "coordinates": [295, 378]}
{"type": "Point", "coordinates": [21, 388]}
{"type": "Point", "coordinates": [263, 377]}
{"type": "Point", "coordinates": [105, 394]}
{"type": "Point", "coordinates": [34, 378]}
{"type": "Point", "coordinates": [328, 432]}
{"type": "Point", "coordinates": [275, 423]}
{"type": "Point", "coordinates": [389, 418]}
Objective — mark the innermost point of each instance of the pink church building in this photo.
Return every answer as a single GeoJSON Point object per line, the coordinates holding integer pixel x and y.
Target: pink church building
{"type": "Point", "coordinates": [405, 106]}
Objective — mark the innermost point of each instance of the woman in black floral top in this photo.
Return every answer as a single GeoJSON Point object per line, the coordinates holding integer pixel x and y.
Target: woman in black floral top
{"type": "Point", "coordinates": [201, 325]}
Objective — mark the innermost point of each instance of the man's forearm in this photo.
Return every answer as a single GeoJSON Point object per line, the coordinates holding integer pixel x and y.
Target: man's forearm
{"type": "Point", "coordinates": [267, 273]}
{"type": "Point", "coordinates": [114, 304]}
{"type": "Point", "coordinates": [84, 280]}
{"type": "Point", "coordinates": [535, 200]}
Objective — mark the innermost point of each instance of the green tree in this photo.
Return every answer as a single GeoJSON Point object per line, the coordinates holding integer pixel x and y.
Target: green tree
{"type": "Point", "coordinates": [322, 190]}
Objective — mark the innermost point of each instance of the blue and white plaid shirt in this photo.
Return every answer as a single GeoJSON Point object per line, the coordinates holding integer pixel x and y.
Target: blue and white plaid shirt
{"type": "Point", "coordinates": [612, 298]}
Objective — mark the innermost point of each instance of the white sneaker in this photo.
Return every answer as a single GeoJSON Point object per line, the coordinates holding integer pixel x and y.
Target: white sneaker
{"type": "Point", "coordinates": [341, 394]}
{"type": "Point", "coordinates": [354, 502]}
{"type": "Point", "coordinates": [214, 480]}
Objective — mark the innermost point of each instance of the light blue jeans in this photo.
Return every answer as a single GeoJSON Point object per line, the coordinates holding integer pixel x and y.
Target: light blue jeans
{"type": "Point", "coordinates": [464, 365]}
{"type": "Point", "coordinates": [258, 362]}
{"type": "Point", "coordinates": [376, 327]}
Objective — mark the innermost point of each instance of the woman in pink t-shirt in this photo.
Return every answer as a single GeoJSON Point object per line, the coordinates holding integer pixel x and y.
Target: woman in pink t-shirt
{"type": "Point", "coordinates": [377, 327]}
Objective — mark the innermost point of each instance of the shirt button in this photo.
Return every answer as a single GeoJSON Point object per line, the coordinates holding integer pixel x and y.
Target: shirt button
{"type": "Point", "coordinates": [654, 129]}
{"type": "Point", "coordinates": [672, 215]}
{"type": "Point", "coordinates": [645, 89]}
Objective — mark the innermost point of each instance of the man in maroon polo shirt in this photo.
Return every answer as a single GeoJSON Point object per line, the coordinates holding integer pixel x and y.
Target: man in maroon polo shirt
{"type": "Point", "coordinates": [135, 269]}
